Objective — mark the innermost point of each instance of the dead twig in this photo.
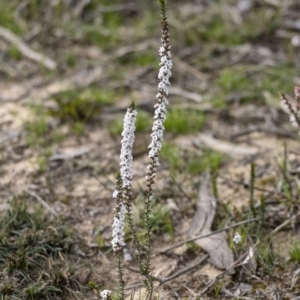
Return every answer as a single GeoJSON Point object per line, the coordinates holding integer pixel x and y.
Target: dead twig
{"type": "Point", "coordinates": [26, 50]}
{"type": "Point", "coordinates": [183, 66]}
{"type": "Point", "coordinates": [183, 271]}
{"type": "Point", "coordinates": [177, 274]}
{"type": "Point", "coordinates": [285, 223]}
{"type": "Point", "coordinates": [185, 94]}
{"type": "Point", "coordinates": [74, 153]}
{"type": "Point", "coordinates": [206, 235]}
{"type": "Point", "coordinates": [42, 202]}
{"type": "Point", "coordinates": [276, 131]}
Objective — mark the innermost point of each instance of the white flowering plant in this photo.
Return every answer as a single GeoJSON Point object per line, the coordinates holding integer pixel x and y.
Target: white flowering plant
{"type": "Point", "coordinates": [105, 295]}
{"type": "Point", "coordinates": [237, 238]}
{"type": "Point", "coordinates": [123, 191]}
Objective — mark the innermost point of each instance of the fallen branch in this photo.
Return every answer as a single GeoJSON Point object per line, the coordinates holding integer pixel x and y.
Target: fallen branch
{"type": "Point", "coordinates": [183, 271]}
{"type": "Point", "coordinates": [185, 94]}
{"type": "Point", "coordinates": [286, 222]}
{"type": "Point", "coordinates": [276, 131]}
{"type": "Point", "coordinates": [42, 202]}
{"type": "Point", "coordinates": [177, 274]}
{"type": "Point", "coordinates": [206, 235]}
{"type": "Point", "coordinates": [26, 50]}
{"type": "Point", "coordinates": [73, 153]}
{"type": "Point", "coordinates": [183, 66]}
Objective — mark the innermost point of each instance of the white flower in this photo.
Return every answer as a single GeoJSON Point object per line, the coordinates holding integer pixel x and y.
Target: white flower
{"type": "Point", "coordinates": [118, 229]}
{"type": "Point", "coordinates": [169, 64]}
{"type": "Point", "coordinates": [127, 144]}
{"type": "Point", "coordinates": [160, 107]}
{"type": "Point", "coordinates": [161, 85]}
{"type": "Point", "coordinates": [105, 294]}
{"type": "Point", "coordinates": [165, 100]}
{"type": "Point", "coordinates": [161, 50]}
{"type": "Point", "coordinates": [237, 238]}
{"type": "Point", "coordinates": [115, 194]}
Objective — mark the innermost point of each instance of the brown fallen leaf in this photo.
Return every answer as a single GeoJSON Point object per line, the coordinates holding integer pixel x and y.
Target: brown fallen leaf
{"type": "Point", "coordinates": [215, 245]}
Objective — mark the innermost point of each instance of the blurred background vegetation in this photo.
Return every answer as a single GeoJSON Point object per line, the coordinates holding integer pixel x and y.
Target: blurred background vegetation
{"type": "Point", "coordinates": [226, 53]}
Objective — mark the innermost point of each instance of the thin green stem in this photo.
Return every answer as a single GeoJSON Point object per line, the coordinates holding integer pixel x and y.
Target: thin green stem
{"type": "Point", "coordinates": [134, 235]}
{"type": "Point", "coordinates": [120, 275]}
{"type": "Point", "coordinates": [148, 241]}
{"type": "Point", "coordinates": [252, 182]}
